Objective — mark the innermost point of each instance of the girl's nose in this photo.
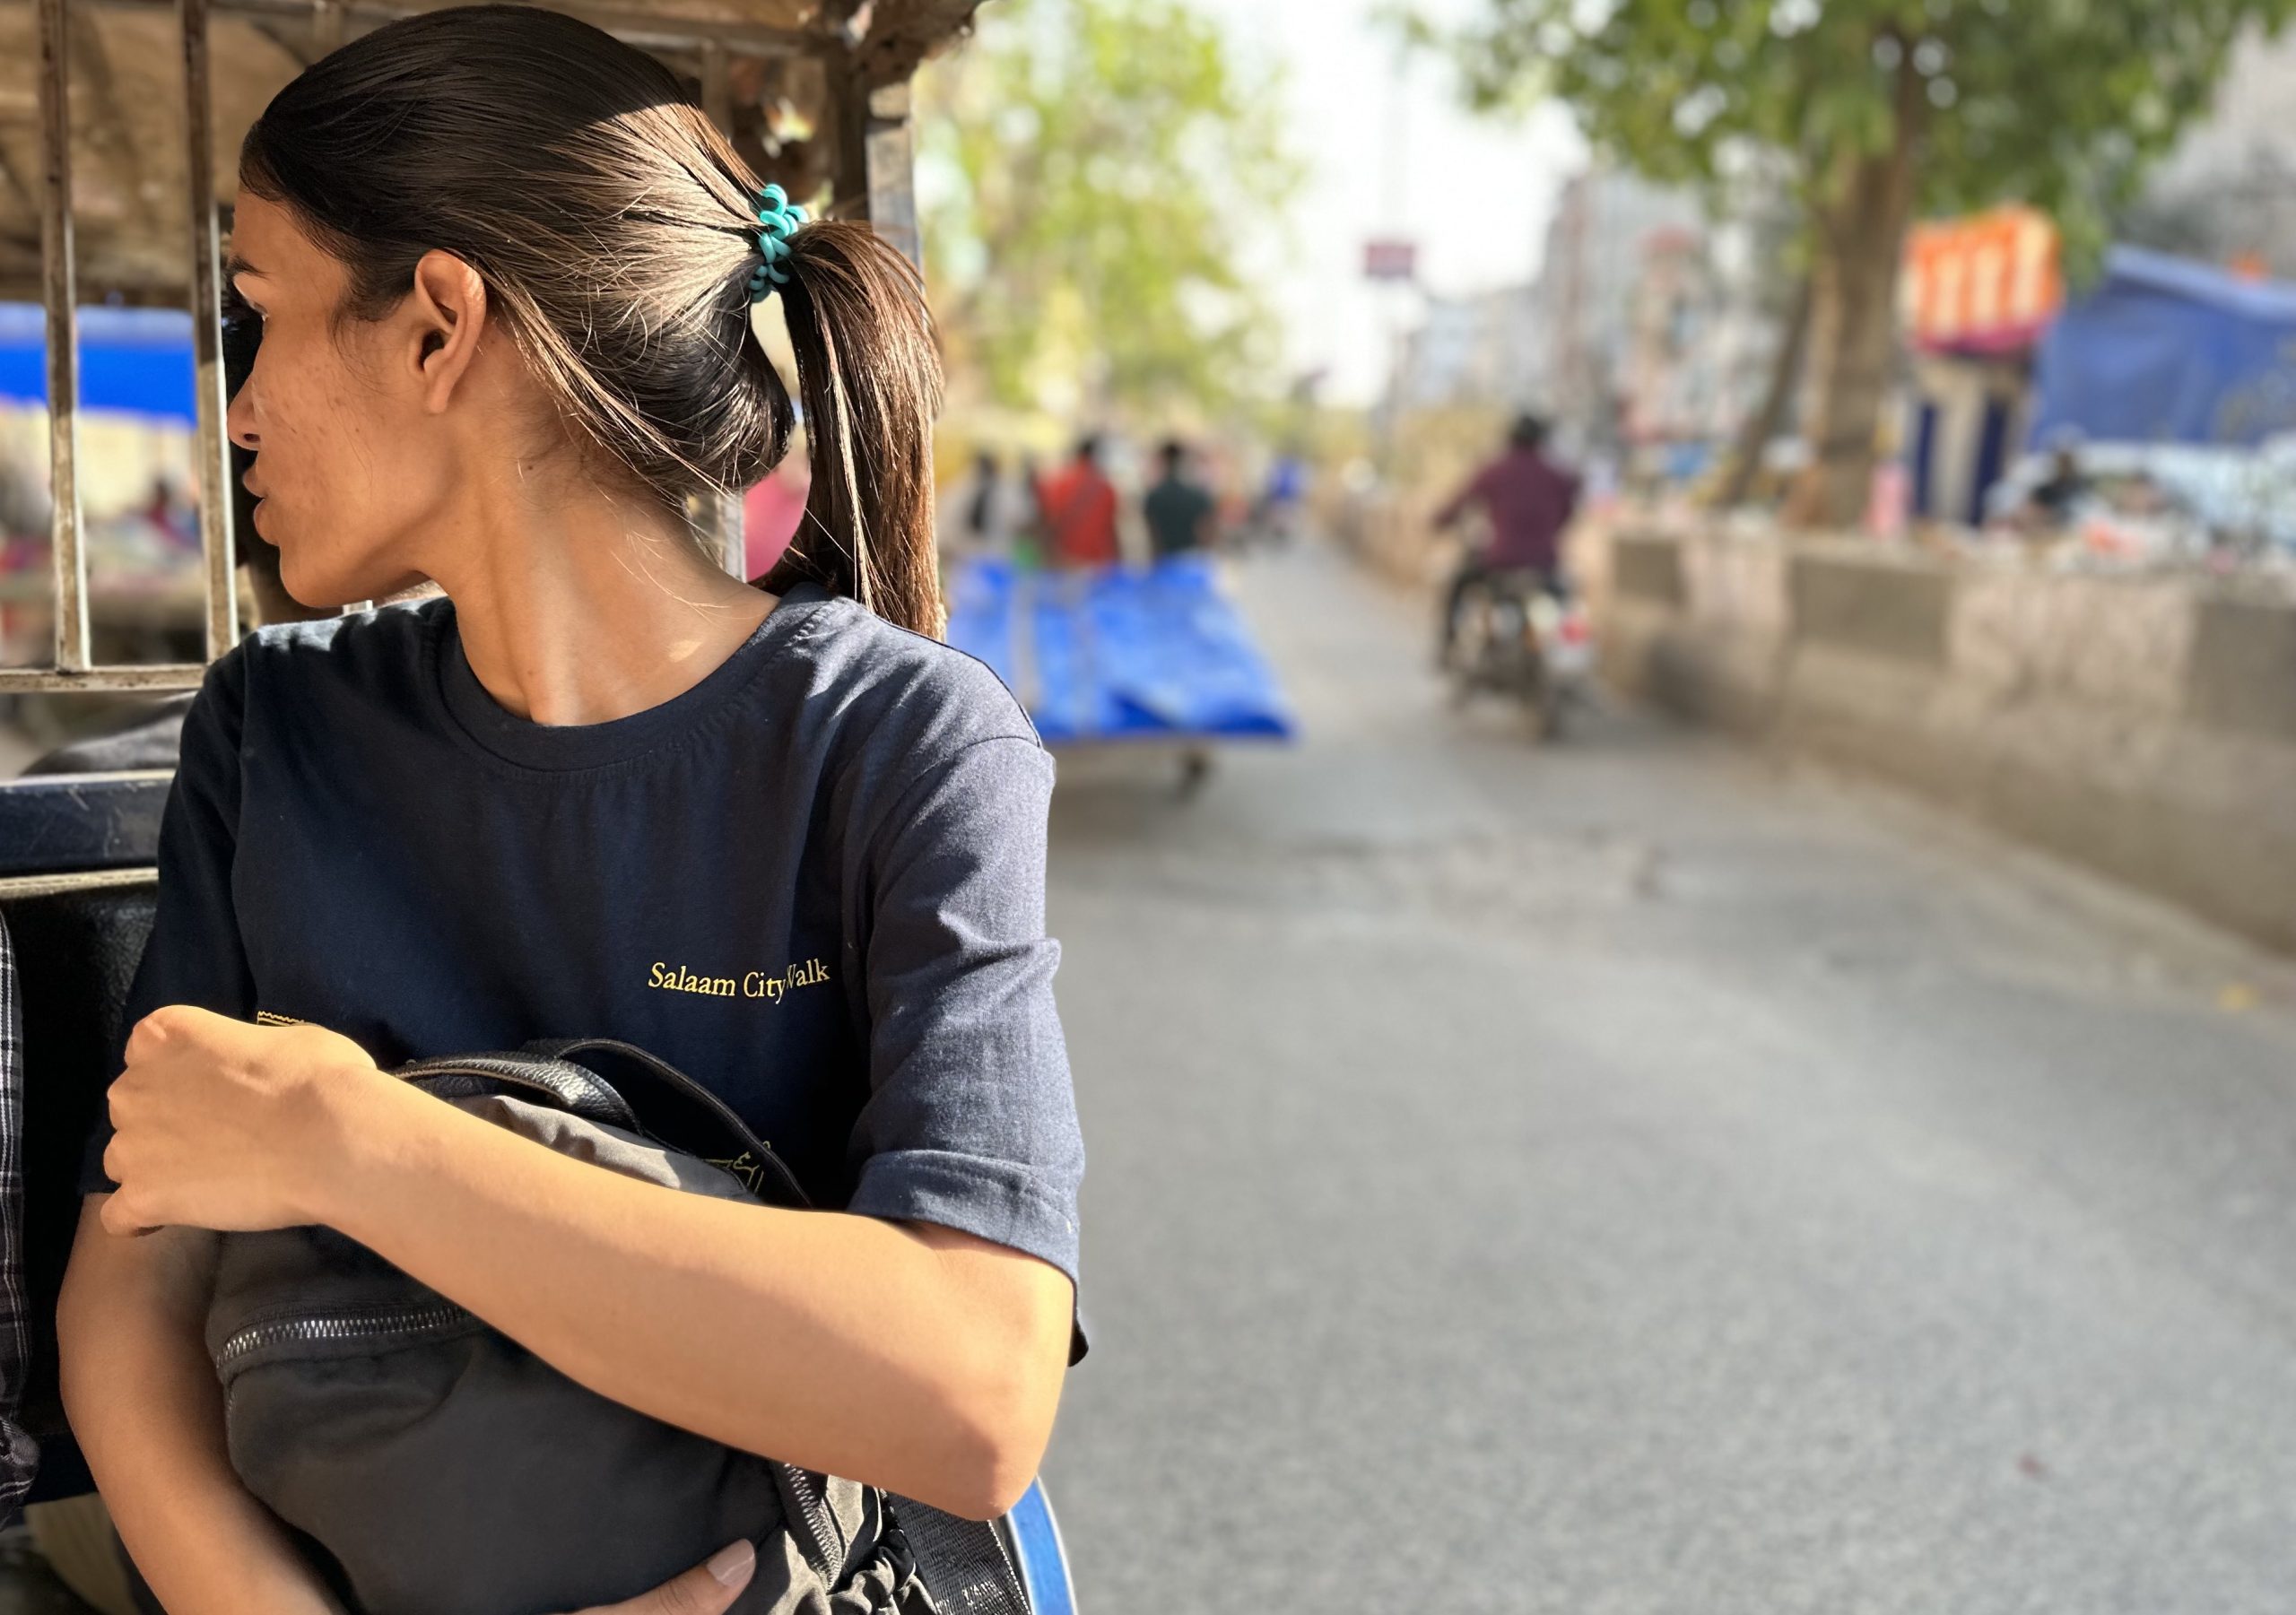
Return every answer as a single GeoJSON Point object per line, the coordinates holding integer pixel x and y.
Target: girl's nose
{"type": "Point", "coordinates": [239, 422]}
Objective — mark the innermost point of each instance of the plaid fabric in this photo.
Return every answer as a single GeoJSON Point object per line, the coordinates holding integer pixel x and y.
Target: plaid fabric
{"type": "Point", "coordinates": [19, 1453]}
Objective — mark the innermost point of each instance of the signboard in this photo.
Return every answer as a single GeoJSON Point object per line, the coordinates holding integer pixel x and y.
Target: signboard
{"type": "Point", "coordinates": [1988, 283]}
{"type": "Point", "coordinates": [1390, 260]}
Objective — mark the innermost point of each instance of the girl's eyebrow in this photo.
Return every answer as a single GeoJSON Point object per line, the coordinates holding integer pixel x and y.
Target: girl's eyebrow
{"type": "Point", "coordinates": [235, 267]}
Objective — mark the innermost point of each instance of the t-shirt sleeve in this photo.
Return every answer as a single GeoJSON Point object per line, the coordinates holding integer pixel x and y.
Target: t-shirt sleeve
{"type": "Point", "coordinates": [194, 955]}
{"type": "Point", "coordinates": [972, 1119]}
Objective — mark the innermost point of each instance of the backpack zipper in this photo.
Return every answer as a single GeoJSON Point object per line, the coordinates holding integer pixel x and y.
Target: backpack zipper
{"type": "Point", "coordinates": [339, 1326]}
{"type": "Point", "coordinates": [819, 1528]}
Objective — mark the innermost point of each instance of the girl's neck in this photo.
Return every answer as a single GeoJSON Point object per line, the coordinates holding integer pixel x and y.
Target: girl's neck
{"type": "Point", "coordinates": [582, 607]}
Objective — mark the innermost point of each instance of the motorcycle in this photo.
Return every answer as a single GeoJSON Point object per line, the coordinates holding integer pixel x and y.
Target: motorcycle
{"type": "Point", "coordinates": [1514, 635]}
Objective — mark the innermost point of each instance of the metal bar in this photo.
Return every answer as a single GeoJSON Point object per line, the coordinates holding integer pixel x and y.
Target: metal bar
{"type": "Point", "coordinates": [645, 29]}
{"type": "Point", "coordinates": [733, 540]}
{"type": "Point", "coordinates": [716, 87]}
{"type": "Point", "coordinates": [15, 887]}
{"type": "Point", "coordinates": [212, 467]}
{"type": "Point", "coordinates": [893, 171]}
{"type": "Point", "coordinates": [715, 520]}
{"type": "Point", "coordinates": [168, 675]}
{"type": "Point", "coordinates": [59, 294]}
{"type": "Point", "coordinates": [721, 521]}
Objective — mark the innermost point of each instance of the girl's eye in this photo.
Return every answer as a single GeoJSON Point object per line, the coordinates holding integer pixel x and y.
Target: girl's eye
{"type": "Point", "coordinates": [242, 335]}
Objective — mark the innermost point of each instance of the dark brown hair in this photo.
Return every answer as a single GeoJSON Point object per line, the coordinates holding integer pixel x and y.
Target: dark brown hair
{"type": "Point", "coordinates": [615, 228]}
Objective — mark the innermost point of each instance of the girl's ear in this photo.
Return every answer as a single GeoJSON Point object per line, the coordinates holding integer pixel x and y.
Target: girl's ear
{"type": "Point", "coordinates": [449, 303]}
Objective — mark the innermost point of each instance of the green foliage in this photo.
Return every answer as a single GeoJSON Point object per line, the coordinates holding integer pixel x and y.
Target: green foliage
{"type": "Point", "coordinates": [2058, 103]}
{"type": "Point", "coordinates": [1097, 175]}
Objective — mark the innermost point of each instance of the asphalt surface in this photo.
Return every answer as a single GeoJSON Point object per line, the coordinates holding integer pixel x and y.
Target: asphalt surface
{"type": "Point", "coordinates": [1639, 1175]}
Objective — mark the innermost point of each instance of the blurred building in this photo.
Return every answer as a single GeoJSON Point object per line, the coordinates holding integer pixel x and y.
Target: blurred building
{"type": "Point", "coordinates": [2226, 194]}
{"type": "Point", "coordinates": [1479, 350]}
{"type": "Point", "coordinates": [1647, 335]}
{"type": "Point", "coordinates": [1590, 295]}
{"type": "Point", "coordinates": [1659, 321]}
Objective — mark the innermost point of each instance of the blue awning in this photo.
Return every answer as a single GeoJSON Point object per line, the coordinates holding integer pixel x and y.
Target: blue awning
{"type": "Point", "coordinates": [2168, 351]}
{"type": "Point", "coordinates": [135, 361]}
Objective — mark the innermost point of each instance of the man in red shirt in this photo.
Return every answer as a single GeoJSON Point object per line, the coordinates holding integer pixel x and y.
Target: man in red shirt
{"type": "Point", "coordinates": [1529, 501]}
{"type": "Point", "coordinates": [1078, 505]}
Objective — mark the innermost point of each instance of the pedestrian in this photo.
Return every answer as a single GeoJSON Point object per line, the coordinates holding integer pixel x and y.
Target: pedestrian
{"type": "Point", "coordinates": [511, 277]}
{"type": "Point", "coordinates": [2057, 498]}
{"type": "Point", "coordinates": [1078, 505]}
{"type": "Point", "coordinates": [990, 509]}
{"type": "Point", "coordinates": [1285, 495]}
{"type": "Point", "coordinates": [1177, 510]}
{"type": "Point", "coordinates": [1528, 500]}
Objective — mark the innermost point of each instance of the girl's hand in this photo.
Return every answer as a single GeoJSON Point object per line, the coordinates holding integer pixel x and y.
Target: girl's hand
{"type": "Point", "coordinates": [225, 1126]}
{"type": "Point", "coordinates": [706, 1589]}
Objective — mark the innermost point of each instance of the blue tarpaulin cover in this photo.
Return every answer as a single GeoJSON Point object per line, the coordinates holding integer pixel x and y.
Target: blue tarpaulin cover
{"type": "Point", "coordinates": [1113, 654]}
{"type": "Point", "coordinates": [2168, 351]}
{"type": "Point", "coordinates": [137, 360]}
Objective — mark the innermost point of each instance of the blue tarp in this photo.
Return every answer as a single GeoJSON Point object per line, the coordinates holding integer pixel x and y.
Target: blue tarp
{"type": "Point", "coordinates": [2167, 350]}
{"type": "Point", "coordinates": [1118, 654]}
{"type": "Point", "coordinates": [133, 359]}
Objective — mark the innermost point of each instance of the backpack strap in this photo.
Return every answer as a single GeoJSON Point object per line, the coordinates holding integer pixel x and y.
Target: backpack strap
{"type": "Point", "coordinates": [961, 1562]}
{"type": "Point", "coordinates": [569, 1087]}
{"type": "Point", "coordinates": [675, 1110]}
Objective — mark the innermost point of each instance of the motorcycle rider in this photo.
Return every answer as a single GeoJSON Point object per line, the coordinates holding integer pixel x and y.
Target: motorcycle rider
{"type": "Point", "coordinates": [1529, 501]}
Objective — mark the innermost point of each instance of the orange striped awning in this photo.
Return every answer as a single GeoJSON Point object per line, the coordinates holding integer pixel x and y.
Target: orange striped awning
{"type": "Point", "coordinates": [1986, 283]}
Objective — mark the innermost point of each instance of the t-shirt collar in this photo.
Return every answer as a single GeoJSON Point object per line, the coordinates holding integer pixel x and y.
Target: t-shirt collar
{"type": "Point", "coordinates": [568, 746]}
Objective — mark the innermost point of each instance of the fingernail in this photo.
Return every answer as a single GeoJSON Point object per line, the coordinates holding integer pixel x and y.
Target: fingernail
{"type": "Point", "coordinates": [732, 1563]}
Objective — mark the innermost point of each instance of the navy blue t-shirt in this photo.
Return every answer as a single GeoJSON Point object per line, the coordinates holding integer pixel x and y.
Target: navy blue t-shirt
{"type": "Point", "coordinates": [814, 882]}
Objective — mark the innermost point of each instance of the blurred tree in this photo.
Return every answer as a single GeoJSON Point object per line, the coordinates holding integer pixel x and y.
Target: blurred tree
{"type": "Point", "coordinates": [1098, 176]}
{"type": "Point", "coordinates": [1880, 109]}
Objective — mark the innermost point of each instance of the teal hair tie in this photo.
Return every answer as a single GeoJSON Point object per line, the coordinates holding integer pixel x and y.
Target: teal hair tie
{"type": "Point", "coordinates": [778, 219]}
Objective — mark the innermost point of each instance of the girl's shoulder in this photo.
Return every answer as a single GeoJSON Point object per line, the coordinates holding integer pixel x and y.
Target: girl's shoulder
{"type": "Point", "coordinates": [378, 654]}
{"type": "Point", "coordinates": [908, 691]}
{"type": "Point", "coordinates": [900, 727]}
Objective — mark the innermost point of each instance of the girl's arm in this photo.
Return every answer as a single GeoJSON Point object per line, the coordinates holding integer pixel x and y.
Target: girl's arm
{"type": "Point", "coordinates": [148, 1412]}
{"type": "Point", "coordinates": [146, 1408]}
{"type": "Point", "coordinates": [913, 1358]}
{"type": "Point", "coordinates": [917, 1359]}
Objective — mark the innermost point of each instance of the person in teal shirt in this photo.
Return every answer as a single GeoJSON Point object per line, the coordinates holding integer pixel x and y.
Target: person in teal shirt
{"type": "Point", "coordinates": [1179, 513]}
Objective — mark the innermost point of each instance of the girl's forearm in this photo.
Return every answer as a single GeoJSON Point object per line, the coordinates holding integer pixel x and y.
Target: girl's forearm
{"type": "Point", "coordinates": [149, 1416]}
{"type": "Point", "coordinates": [921, 1360]}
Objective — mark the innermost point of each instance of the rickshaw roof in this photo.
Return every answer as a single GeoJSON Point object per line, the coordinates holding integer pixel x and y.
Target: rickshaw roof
{"type": "Point", "coordinates": [129, 188]}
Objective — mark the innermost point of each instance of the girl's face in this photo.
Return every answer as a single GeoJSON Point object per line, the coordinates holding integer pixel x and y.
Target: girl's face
{"type": "Point", "coordinates": [350, 465]}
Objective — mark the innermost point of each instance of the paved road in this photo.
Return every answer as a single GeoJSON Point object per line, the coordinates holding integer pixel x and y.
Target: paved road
{"type": "Point", "coordinates": [1638, 1177]}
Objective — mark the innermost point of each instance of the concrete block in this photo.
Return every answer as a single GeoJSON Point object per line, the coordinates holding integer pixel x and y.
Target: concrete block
{"type": "Point", "coordinates": [2145, 726]}
{"type": "Point", "coordinates": [1876, 607]}
{"type": "Point", "coordinates": [2243, 668]}
{"type": "Point", "coordinates": [1650, 568]}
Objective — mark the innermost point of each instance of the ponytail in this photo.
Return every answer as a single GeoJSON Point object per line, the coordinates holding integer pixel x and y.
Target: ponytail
{"type": "Point", "coordinates": [869, 376]}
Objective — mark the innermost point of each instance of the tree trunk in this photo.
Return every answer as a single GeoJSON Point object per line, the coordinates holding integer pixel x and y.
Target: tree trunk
{"type": "Point", "coordinates": [1763, 427]}
{"type": "Point", "coordinates": [1853, 316]}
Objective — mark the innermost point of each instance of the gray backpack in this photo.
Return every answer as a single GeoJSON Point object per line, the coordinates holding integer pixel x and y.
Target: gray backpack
{"type": "Point", "coordinates": [433, 1466]}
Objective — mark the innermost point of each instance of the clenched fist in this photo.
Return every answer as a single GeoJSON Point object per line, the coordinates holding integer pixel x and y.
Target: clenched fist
{"type": "Point", "coordinates": [223, 1125]}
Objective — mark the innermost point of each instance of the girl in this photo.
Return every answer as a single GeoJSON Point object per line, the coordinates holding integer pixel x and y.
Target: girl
{"type": "Point", "coordinates": [504, 270]}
